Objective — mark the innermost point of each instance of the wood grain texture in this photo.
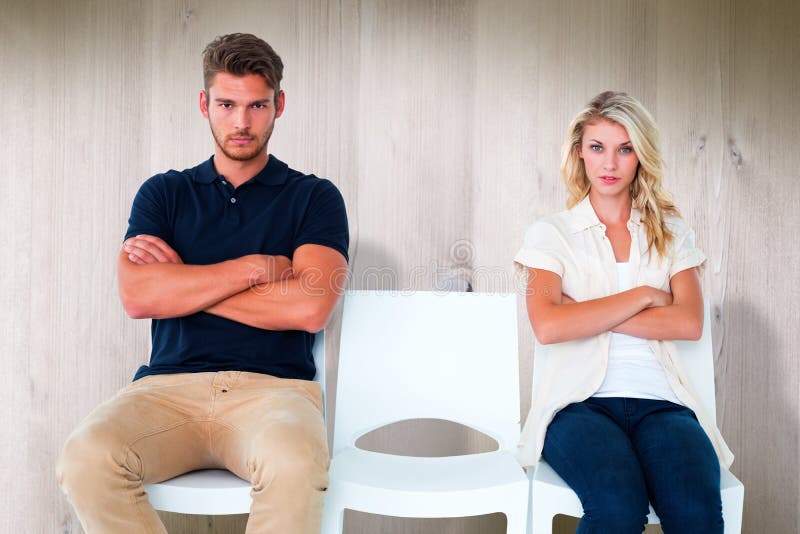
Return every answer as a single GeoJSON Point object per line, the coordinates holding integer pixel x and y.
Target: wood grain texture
{"type": "Point", "coordinates": [759, 388]}
{"type": "Point", "coordinates": [415, 59]}
{"type": "Point", "coordinates": [441, 122]}
{"type": "Point", "coordinates": [16, 199]}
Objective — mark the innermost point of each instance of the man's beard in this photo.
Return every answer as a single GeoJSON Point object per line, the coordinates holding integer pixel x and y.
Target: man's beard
{"type": "Point", "coordinates": [242, 155]}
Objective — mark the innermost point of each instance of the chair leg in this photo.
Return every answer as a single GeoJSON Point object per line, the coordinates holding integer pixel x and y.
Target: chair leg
{"type": "Point", "coordinates": [332, 520]}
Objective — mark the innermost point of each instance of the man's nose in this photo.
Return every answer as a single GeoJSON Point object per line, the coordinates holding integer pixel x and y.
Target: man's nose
{"type": "Point", "coordinates": [242, 118]}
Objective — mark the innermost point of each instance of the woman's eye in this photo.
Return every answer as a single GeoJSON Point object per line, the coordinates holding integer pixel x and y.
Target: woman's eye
{"type": "Point", "coordinates": [596, 148]}
{"type": "Point", "coordinates": [626, 150]}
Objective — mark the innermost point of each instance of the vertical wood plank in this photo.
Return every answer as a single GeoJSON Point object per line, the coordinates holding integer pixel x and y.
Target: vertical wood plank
{"type": "Point", "coordinates": [414, 169]}
{"type": "Point", "coordinates": [16, 322]}
{"type": "Point", "coordinates": [760, 384]}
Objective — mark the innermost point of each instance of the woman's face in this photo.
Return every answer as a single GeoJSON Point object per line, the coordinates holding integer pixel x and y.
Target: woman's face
{"type": "Point", "coordinates": [609, 158]}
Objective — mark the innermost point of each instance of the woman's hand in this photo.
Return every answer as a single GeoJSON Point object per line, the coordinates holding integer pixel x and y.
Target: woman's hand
{"type": "Point", "coordinates": [658, 297]}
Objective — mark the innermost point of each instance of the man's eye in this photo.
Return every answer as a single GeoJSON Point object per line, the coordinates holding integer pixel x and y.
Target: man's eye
{"type": "Point", "coordinates": [226, 105]}
{"type": "Point", "coordinates": [259, 106]}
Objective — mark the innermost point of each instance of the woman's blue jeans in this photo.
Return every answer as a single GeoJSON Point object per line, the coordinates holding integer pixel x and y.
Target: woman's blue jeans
{"type": "Point", "coordinates": [618, 453]}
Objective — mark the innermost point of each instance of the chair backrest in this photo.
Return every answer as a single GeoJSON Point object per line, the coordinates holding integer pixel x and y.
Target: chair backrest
{"type": "Point", "coordinates": [696, 359]}
{"type": "Point", "coordinates": [450, 356]}
{"type": "Point", "coordinates": [318, 352]}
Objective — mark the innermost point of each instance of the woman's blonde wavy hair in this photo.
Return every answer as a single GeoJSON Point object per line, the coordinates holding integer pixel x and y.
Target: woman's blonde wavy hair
{"type": "Point", "coordinates": [648, 195]}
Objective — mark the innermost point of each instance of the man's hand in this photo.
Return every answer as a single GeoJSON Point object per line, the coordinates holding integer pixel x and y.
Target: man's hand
{"type": "Point", "coordinates": [146, 249]}
{"type": "Point", "coordinates": [266, 269]}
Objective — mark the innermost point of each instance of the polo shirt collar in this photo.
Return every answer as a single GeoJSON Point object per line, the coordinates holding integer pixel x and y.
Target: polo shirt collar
{"type": "Point", "coordinates": [274, 172]}
{"type": "Point", "coordinates": [584, 216]}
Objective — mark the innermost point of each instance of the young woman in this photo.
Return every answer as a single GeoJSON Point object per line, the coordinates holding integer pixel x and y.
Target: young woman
{"type": "Point", "coordinates": [610, 281]}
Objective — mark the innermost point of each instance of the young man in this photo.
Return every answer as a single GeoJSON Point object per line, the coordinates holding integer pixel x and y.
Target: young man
{"type": "Point", "coordinates": [237, 262]}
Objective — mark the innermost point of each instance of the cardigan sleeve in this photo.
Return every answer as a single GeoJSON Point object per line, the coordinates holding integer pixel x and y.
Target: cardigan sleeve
{"type": "Point", "coordinates": [542, 248]}
{"type": "Point", "coordinates": [686, 254]}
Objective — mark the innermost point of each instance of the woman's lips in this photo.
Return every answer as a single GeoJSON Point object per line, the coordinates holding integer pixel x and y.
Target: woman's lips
{"type": "Point", "coordinates": [609, 179]}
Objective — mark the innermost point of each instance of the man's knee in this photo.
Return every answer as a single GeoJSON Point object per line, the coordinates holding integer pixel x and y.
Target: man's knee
{"type": "Point", "coordinates": [289, 456]}
{"type": "Point", "coordinates": [90, 453]}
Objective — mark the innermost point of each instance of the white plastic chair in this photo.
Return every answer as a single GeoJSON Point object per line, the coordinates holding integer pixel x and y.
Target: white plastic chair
{"type": "Point", "coordinates": [450, 356]}
{"type": "Point", "coordinates": [550, 495]}
{"type": "Point", "coordinates": [217, 491]}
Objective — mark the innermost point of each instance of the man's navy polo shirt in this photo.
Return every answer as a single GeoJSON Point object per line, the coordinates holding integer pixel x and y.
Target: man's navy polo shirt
{"type": "Point", "coordinates": [200, 215]}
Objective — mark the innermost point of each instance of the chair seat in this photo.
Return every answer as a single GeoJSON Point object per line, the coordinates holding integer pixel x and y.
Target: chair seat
{"type": "Point", "coordinates": [408, 486]}
{"type": "Point", "coordinates": [551, 489]}
{"type": "Point", "coordinates": [206, 492]}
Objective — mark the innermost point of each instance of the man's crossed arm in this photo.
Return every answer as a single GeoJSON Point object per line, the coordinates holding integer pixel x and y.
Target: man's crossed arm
{"type": "Point", "coordinates": [268, 292]}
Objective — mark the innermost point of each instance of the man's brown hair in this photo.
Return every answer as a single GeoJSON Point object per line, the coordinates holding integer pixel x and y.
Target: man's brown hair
{"type": "Point", "coordinates": [241, 54]}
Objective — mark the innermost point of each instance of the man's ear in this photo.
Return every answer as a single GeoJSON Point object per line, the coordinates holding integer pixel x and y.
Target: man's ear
{"type": "Point", "coordinates": [204, 103]}
{"type": "Point", "coordinates": [280, 102]}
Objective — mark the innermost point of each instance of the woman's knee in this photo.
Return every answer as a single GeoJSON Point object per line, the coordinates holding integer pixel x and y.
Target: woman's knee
{"type": "Point", "coordinates": [699, 510]}
{"type": "Point", "coordinates": [616, 509]}
{"type": "Point", "coordinates": [694, 520]}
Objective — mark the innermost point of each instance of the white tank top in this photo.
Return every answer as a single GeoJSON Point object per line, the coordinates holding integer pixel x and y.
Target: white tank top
{"type": "Point", "coordinates": [633, 370]}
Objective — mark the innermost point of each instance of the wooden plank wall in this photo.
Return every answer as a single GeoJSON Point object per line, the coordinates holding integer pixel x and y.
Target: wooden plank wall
{"type": "Point", "coordinates": [441, 122]}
